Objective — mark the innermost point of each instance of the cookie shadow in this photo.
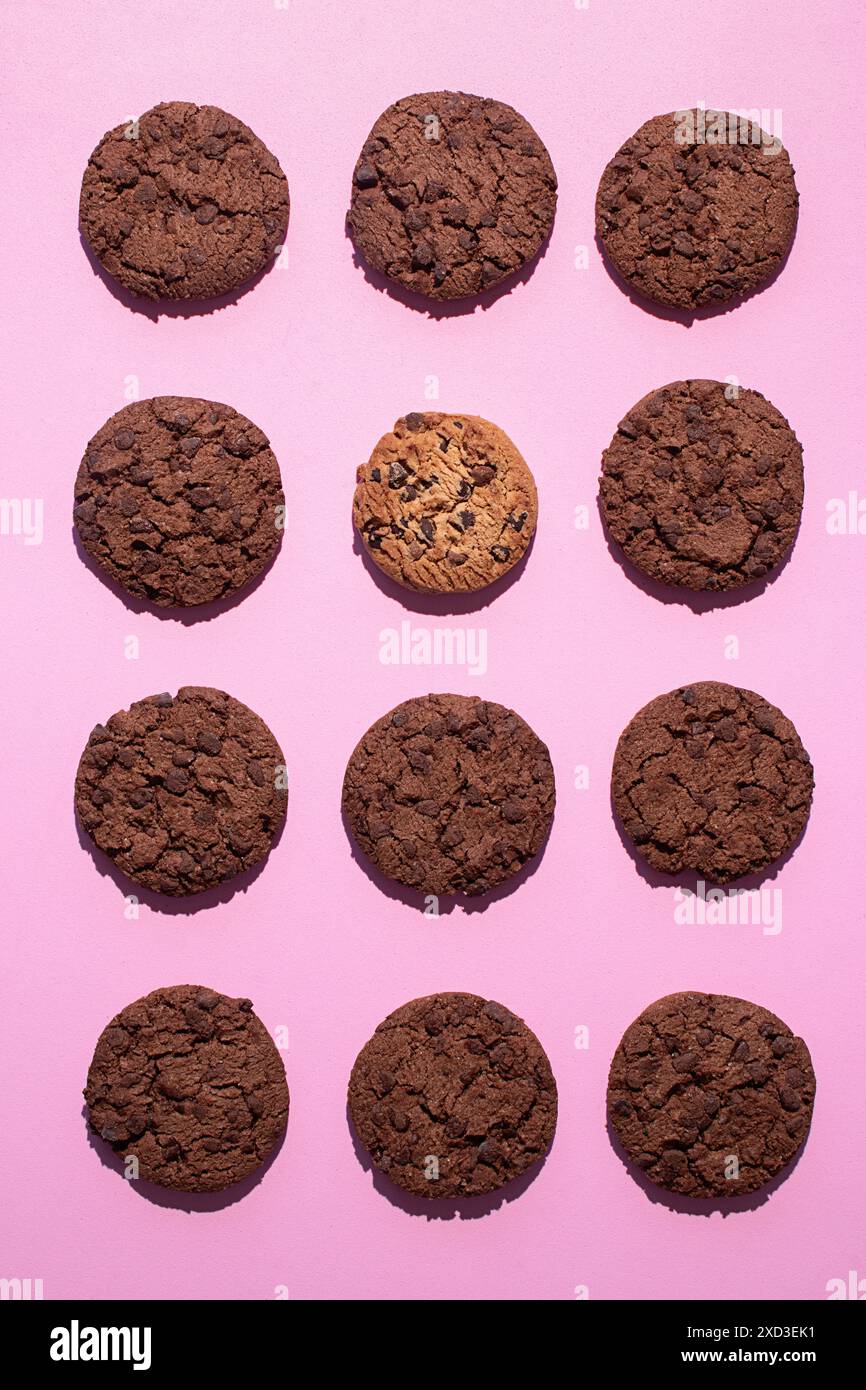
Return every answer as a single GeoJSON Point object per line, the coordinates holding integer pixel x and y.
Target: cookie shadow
{"type": "Point", "coordinates": [162, 902]}
{"type": "Point", "coordinates": [687, 880]}
{"type": "Point", "coordinates": [155, 309]}
{"type": "Point", "coordinates": [444, 1208]}
{"type": "Point", "coordinates": [449, 308]}
{"type": "Point", "coordinates": [440, 605]}
{"type": "Point", "coordinates": [700, 1206]}
{"type": "Point", "coordinates": [180, 1201]}
{"type": "Point", "coordinates": [188, 617]}
{"type": "Point", "coordinates": [687, 317]}
{"type": "Point", "coordinates": [699, 601]}
{"type": "Point", "coordinates": [416, 898]}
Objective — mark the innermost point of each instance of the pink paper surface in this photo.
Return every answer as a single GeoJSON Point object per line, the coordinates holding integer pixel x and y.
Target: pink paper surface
{"type": "Point", "coordinates": [325, 361]}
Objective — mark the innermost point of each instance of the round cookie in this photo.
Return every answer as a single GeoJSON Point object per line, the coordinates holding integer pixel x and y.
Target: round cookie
{"type": "Point", "coordinates": [189, 1083]}
{"type": "Point", "coordinates": [450, 794]}
{"type": "Point", "coordinates": [182, 793]}
{"type": "Point", "coordinates": [453, 1096]}
{"type": "Point", "coordinates": [698, 207]}
{"type": "Point", "coordinates": [186, 203]}
{"type": "Point", "coordinates": [451, 194]}
{"type": "Point", "coordinates": [712, 778]}
{"type": "Point", "coordinates": [702, 485]}
{"type": "Point", "coordinates": [179, 500]}
{"type": "Point", "coordinates": [446, 503]}
{"type": "Point", "coordinates": [710, 1096]}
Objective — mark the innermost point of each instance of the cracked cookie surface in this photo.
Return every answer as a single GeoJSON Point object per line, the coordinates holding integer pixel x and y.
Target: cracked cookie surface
{"type": "Point", "coordinates": [190, 1083]}
{"type": "Point", "coordinates": [453, 1096]}
{"type": "Point", "coordinates": [451, 193]}
{"type": "Point", "coordinates": [446, 503]}
{"type": "Point", "coordinates": [179, 500]}
{"type": "Point", "coordinates": [182, 793]}
{"type": "Point", "coordinates": [713, 778]}
{"type": "Point", "coordinates": [192, 207]}
{"type": "Point", "coordinates": [690, 222]}
{"type": "Point", "coordinates": [450, 794]}
{"type": "Point", "coordinates": [699, 1080]}
{"type": "Point", "coordinates": [702, 485]}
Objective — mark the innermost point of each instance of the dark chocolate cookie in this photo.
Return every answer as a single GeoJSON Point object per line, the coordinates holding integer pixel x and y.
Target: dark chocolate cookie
{"type": "Point", "coordinates": [697, 208]}
{"type": "Point", "coordinates": [712, 778]}
{"type": "Point", "coordinates": [450, 794]}
{"type": "Point", "coordinates": [189, 1083]}
{"type": "Point", "coordinates": [446, 503]}
{"type": "Point", "coordinates": [186, 203]}
{"type": "Point", "coordinates": [451, 194]}
{"type": "Point", "coordinates": [179, 500]}
{"type": "Point", "coordinates": [453, 1096]}
{"type": "Point", "coordinates": [702, 485]}
{"type": "Point", "coordinates": [182, 793]}
{"type": "Point", "coordinates": [710, 1096]}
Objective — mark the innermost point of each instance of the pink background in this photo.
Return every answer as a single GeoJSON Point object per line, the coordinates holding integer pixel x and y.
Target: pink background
{"type": "Point", "coordinates": [325, 361]}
